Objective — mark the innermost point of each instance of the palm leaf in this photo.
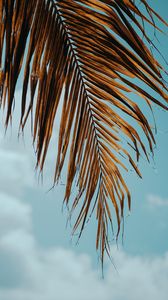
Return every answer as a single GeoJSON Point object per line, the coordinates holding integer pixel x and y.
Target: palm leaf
{"type": "Point", "coordinates": [91, 52]}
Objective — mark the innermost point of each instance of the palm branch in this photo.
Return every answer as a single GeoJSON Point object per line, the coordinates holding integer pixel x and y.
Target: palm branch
{"type": "Point", "coordinates": [94, 54]}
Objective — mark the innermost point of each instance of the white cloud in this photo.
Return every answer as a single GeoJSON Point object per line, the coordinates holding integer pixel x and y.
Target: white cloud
{"type": "Point", "coordinates": [15, 173]}
{"type": "Point", "coordinates": [15, 160]}
{"type": "Point", "coordinates": [139, 277]}
{"type": "Point", "coordinates": [157, 201]}
{"type": "Point", "coordinates": [30, 272]}
{"type": "Point", "coordinates": [14, 215]}
{"type": "Point", "coordinates": [17, 155]}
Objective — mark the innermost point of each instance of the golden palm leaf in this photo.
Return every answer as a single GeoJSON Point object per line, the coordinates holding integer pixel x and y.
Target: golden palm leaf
{"type": "Point", "coordinates": [96, 54]}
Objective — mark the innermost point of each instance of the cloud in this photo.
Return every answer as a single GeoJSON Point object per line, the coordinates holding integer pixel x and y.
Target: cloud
{"type": "Point", "coordinates": [17, 155]}
{"type": "Point", "coordinates": [16, 173]}
{"type": "Point", "coordinates": [16, 162]}
{"type": "Point", "coordinates": [31, 272]}
{"type": "Point", "coordinates": [139, 277]}
{"type": "Point", "coordinates": [157, 201]}
{"type": "Point", "coordinates": [14, 215]}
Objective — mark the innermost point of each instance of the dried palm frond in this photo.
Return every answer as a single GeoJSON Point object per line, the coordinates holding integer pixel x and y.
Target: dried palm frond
{"type": "Point", "coordinates": [91, 51]}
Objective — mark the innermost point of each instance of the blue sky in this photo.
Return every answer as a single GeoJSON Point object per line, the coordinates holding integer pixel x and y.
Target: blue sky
{"type": "Point", "coordinates": [38, 260]}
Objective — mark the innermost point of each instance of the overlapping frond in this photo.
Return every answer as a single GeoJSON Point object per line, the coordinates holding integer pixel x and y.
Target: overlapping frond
{"type": "Point", "coordinates": [91, 51]}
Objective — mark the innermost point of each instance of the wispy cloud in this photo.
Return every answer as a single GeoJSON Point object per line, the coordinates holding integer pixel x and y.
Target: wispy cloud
{"type": "Point", "coordinates": [157, 201]}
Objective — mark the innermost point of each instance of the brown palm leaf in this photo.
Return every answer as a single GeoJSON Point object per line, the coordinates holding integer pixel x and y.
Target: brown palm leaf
{"type": "Point", "coordinates": [96, 54]}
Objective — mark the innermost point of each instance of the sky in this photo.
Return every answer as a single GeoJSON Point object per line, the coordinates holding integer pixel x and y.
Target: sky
{"type": "Point", "coordinates": [38, 257]}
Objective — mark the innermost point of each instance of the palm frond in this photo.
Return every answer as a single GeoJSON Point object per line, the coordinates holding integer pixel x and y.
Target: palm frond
{"type": "Point", "coordinates": [91, 51]}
